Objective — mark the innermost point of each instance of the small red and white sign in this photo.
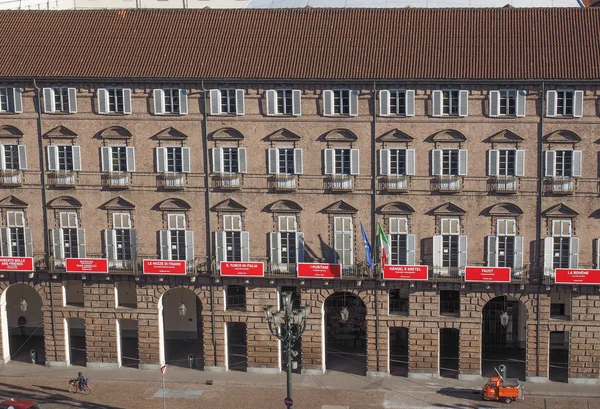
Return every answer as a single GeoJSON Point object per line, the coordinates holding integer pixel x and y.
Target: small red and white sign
{"type": "Point", "coordinates": [16, 264]}
{"type": "Point", "coordinates": [86, 265]}
{"type": "Point", "coordinates": [488, 274]}
{"type": "Point", "coordinates": [244, 269]}
{"type": "Point", "coordinates": [417, 273]}
{"type": "Point", "coordinates": [288, 402]}
{"type": "Point", "coordinates": [319, 270]}
{"type": "Point", "coordinates": [163, 369]}
{"type": "Point", "coordinates": [165, 267]}
{"type": "Point", "coordinates": [577, 276]}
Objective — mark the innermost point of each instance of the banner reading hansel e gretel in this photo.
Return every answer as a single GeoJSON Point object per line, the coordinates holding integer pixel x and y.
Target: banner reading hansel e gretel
{"type": "Point", "coordinates": [577, 276]}
{"type": "Point", "coordinates": [417, 273]}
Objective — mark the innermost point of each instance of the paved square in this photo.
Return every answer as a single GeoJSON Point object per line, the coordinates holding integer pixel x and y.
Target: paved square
{"type": "Point", "coordinates": [182, 394]}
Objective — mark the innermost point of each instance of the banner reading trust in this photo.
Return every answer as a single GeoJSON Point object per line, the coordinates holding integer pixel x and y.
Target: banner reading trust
{"type": "Point", "coordinates": [577, 276]}
{"type": "Point", "coordinates": [24, 264]}
{"type": "Point", "coordinates": [488, 274]}
{"type": "Point", "coordinates": [242, 268]}
{"type": "Point", "coordinates": [86, 265]}
{"type": "Point", "coordinates": [165, 267]}
{"type": "Point", "coordinates": [319, 270]}
{"type": "Point", "coordinates": [417, 273]}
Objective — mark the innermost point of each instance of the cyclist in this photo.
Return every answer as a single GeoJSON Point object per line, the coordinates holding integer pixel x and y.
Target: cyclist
{"type": "Point", "coordinates": [80, 381]}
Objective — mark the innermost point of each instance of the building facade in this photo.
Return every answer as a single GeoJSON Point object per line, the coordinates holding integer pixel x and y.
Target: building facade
{"type": "Point", "coordinates": [495, 175]}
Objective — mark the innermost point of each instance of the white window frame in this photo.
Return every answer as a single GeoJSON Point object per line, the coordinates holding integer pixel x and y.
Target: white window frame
{"type": "Point", "coordinates": [338, 246]}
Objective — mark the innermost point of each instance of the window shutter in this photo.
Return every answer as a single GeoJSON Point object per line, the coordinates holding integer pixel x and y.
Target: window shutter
{"type": "Point", "coordinates": [574, 252]}
{"type": "Point", "coordinates": [22, 157]}
{"type": "Point", "coordinates": [273, 161]}
{"type": "Point", "coordinates": [159, 101]}
{"type": "Point", "coordinates": [133, 242]}
{"type": "Point", "coordinates": [221, 252]}
{"type": "Point", "coordinates": [384, 102]}
{"type": "Point", "coordinates": [384, 162]}
{"type": "Point", "coordinates": [463, 165]}
{"type": "Point", "coordinates": [576, 164]}
{"type": "Point", "coordinates": [354, 162]}
{"type": "Point", "coordinates": [165, 245]}
{"type": "Point", "coordinates": [597, 253]}
{"type": "Point", "coordinates": [520, 163]}
{"type": "Point", "coordinates": [548, 256]}
{"type": "Point", "coordinates": [550, 163]}
{"type": "Point", "coordinates": [240, 107]}
{"type": "Point", "coordinates": [58, 246]}
{"type": "Point", "coordinates": [353, 102]}
{"type": "Point", "coordinates": [183, 102]}
{"type": "Point", "coordinates": [411, 247]}
{"type": "Point", "coordinates": [300, 247]}
{"type": "Point", "coordinates": [492, 251]}
{"type": "Point", "coordinates": [189, 246]}
{"type": "Point", "coordinates": [275, 243]}
{"type": "Point", "coordinates": [521, 103]}
{"type": "Point", "coordinates": [6, 244]}
{"type": "Point", "coordinates": [17, 101]}
{"type": "Point", "coordinates": [49, 103]}
{"type": "Point", "coordinates": [296, 102]}
{"type": "Point", "coordinates": [298, 162]}
{"type": "Point", "coordinates": [518, 262]}
{"type": "Point", "coordinates": [105, 152]}
{"type": "Point", "coordinates": [463, 103]}
{"type": "Point", "coordinates": [217, 160]}
{"type": "Point", "coordinates": [578, 104]}
{"type": "Point", "coordinates": [161, 159]}
{"type": "Point", "coordinates": [245, 246]}
{"type": "Point", "coordinates": [215, 102]}
{"type": "Point", "coordinates": [329, 161]}
{"type": "Point", "coordinates": [2, 158]}
{"type": "Point", "coordinates": [102, 101]}
{"type": "Point", "coordinates": [437, 253]}
{"type": "Point", "coordinates": [410, 162]}
{"type": "Point", "coordinates": [127, 101]}
{"type": "Point", "coordinates": [72, 95]}
{"type": "Point", "coordinates": [436, 162]}
{"type": "Point", "coordinates": [76, 158]}
{"type": "Point", "coordinates": [327, 102]}
{"type": "Point", "coordinates": [28, 242]}
{"type": "Point", "coordinates": [52, 153]}
{"type": "Point", "coordinates": [436, 103]}
{"type": "Point", "coordinates": [130, 158]}
{"type": "Point", "coordinates": [242, 164]}
{"type": "Point", "coordinates": [81, 251]}
{"type": "Point", "coordinates": [462, 252]}
{"type": "Point", "coordinates": [271, 102]}
{"type": "Point", "coordinates": [410, 102]}
{"type": "Point", "coordinates": [493, 162]}
{"type": "Point", "coordinates": [110, 240]}
{"type": "Point", "coordinates": [551, 100]}
{"type": "Point", "coordinates": [494, 103]}
{"type": "Point", "coordinates": [185, 160]}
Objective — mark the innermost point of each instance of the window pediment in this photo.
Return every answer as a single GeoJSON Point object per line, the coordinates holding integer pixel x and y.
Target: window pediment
{"type": "Point", "coordinates": [114, 132]}
{"type": "Point", "coordinates": [284, 206]}
{"type": "Point", "coordinates": [396, 135]}
{"type": "Point", "coordinates": [60, 132]}
{"type": "Point", "coordinates": [504, 209]}
{"type": "Point", "coordinates": [228, 205]}
{"type": "Point", "coordinates": [283, 135]}
{"type": "Point", "coordinates": [173, 205]}
{"type": "Point", "coordinates": [227, 134]}
{"type": "Point", "coordinates": [340, 135]}
{"type": "Point", "coordinates": [448, 209]}
{"type": "Point", "coordinates": [562, 136]}
{"type": "Point", "coordinates": [9, 131]}
{"type": "Point", "coordinates": [64, 202]}
{"type": "Point", "coordinates": [448, 135]}
{"type": "Point", "coordinates": [560, 210]}
{"type": "Point", "coordinates": [340, 207]}
{"type": "Point", "coordinates": [118, 203]}
{"type": "Point", "coordinates": [504, 136]}
{"type": "Point", "coordinates": [11, 202]}
{"type": "Point", "coordinates": [396, 208]}
{"type": "Point", "coordinates": [170, 133]}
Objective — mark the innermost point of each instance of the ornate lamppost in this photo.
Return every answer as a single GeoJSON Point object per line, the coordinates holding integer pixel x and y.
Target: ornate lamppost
{"type": "Point", "coordinates": [287, 325]}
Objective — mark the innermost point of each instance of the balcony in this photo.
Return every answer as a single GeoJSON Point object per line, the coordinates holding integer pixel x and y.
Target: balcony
{"type": "Point", "coordinates": [62, 179]}
{"type": "Point", "coordinates": [116, 180]}
{"type": "Point", "coordinates": [283, 182]}
{"type": "Point", "coordinates": [229, 181]}
{"type": "Point", "coordinates": [447, 184]}
{"type": "Point", "coordinates": [339, 183]}
{"type": "Point", "coordinates": [503, 184]}
{"type": "Point", "coordinates": [394, 183]}
{"type": "Point", "coordinates": [439, 273]}
{"type": "Point", "coordinates": [123, 267]}
{"type": "Point", "coordinates": [564, 185]}
{"type": "Point", "coordinates": [172, 181]}
{"type": "Point", "coordinates": [11, 178]}
{"type": "Point", "coordinates": [283, 270]}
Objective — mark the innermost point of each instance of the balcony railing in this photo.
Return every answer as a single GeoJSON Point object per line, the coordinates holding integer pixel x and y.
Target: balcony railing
{"type": "Point", "coordinates": [282, 270]}
{"type": "Point", "coordinates": [447, 184]}
{"type": "Point", "coordinates": [394, 183]}
{"type": "Point", "coordinates": [62, 178]}
{"type": "Point", "coordinates": [560, 185]}
{"type": "Point", "coordinates": [116, 180]}
{"type": "Point", "coordinates": [438, 273]}
{"type": "Point", "coordinates": [283, 182]}
{"type": "Point", "coordinates": [339, 182]}
{"type": "Point", "coordinates": [123, 266]}
{"type": "Point", "coordinates": [503, 184]}
{"type": "Point", "coordinates": [11, 177]}
{"type": "Point", "coordinates": [172, 181]}
{"type": "Point", "coordinates": [227, 181]}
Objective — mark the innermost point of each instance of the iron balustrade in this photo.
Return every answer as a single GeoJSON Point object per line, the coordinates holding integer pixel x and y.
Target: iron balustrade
{"type": "Point", "coordinates": [449, 183]}
{"type": "Point", "coordinates": [116, 180]}
{"type": "Point", "coordinates": [62, 178]}
{"type": "Point", "coordinates": [394, 183]}
{"type": "Point", "coordinates": [11, 177]}
{"type": "Point", "coordinates": [283, 182]}
{"type": "Point", "coordinates": [227, 181]}
{"type": "Point", "coordinates": [439, 273]}
{"type": "Point", "coordinates": [339, 182]}
{"type": "Point", "coordinates": [560, 185]}
{"type": "Point", "coordinates": [172, 180]}
{"type": "Point", "coordinates": [503, 184]}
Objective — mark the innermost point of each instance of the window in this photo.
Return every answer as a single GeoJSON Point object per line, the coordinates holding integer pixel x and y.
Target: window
{"type": "Point", "coordinates": [284, 102]}
{"type": "Point", "coordinates": [449, 162]}
{"type": "Point", "coordinates": [449, 302]}
{"type": "Point", "coordinates": [287, 161]}
{"type": "Point", "coordinates": [564, 102]}
{"type": "Point", "coordinates": [506, 162]}
{"type": "Point", "coordinates": [229, 160]}
{"type": "Point", "coordinates": [507, 102]}
{"type": "Point", "coordinates": [340, 102]}
{"type": "Point", "coordinates": [397, 162]}
{"type": "Point", "coordinates": [11, 100]}
{"type": "Point", "coordinates": [16, 238]}
{"type": "Point", "coordinates": [343, 241]}
{"type": "Point", "coordinates": [177, 243]}
{"type": "Point", "coordinates": [505, 249]}
{"type": "Point", "coordinates": [399, 302]}
{"type": "Point", "coordinates": [64, 158]}
{"type": "Point", "coordinates": [170, 101]}
{"type": "Point", "coordinates": [235, 297]}
{"type": "Point", "coordinates": [126, 294]}
{"type": "Point", "coordinates": [13, 157]}
{"type": "Point", "coordinates": [341, 161]}
{"type": "Point", "coordinates": [121, 239]}
{"type": "Point", "coordinates": [4, 99]}
{"type": "Point", "coordinates": [118, 159]}
{"type": "Point", "coordinates": [449, 248]}
{"type": "Point", "coordinates": [563, 163]}
{"type": "Point", "coordinates": [561, 234]}
{"type": "Point", "coordinates": [60, 99]}
{"type": "Point", "coordinates": [450, 102]}
{"type": "Point", "coordinates": [402, 244]}
{"type": "Point", "coordinates": [114, 100]}
{"type": "Point", "coordinates": [397, 102]}
{"type": "Point", "coordinates": [68, 240]}
{"type": "Point", "coordinates": [227, 101]}
{"type": "Point", "coordinates": [560, 305]}
{"type": "Point", "coordinates": [173, 159]}
{"type": "Point", "coordinates": [287, 245]}
{"type": "Point", "coordinates": [73, 293]}
{"type": "Point", "coordinates": [232, 243]}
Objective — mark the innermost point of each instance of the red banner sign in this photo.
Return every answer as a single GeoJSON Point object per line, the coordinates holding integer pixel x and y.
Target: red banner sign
{"type": "Point", "coordinates": [165, 267]}
{"type": "Point", "coordinates": [577, 276]}
{"type": "Point", "coordinates": [488, 274]}
{"type": "Point", "coordinates": [245, 269]}
{"type": "Point", "coordinates": [319, 270]}
{"type": "Point", "coordinates": [16, 264]}
{"type": "Point", "coordinates": [86, 265]}
{"type": "Point", "coordinates": [420, 273]}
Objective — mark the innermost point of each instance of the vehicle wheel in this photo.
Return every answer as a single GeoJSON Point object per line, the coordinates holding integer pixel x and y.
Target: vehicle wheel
{"type": "Point", "coordinates": [86, 390]}
{"type": "Point", "coordinates": [73, 388]}
{"type": "Point", "coordinates": [508, 400]}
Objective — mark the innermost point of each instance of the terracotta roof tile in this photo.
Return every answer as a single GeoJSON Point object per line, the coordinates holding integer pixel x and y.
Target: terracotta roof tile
{"type": "Point", "coordinates": [505, 43]}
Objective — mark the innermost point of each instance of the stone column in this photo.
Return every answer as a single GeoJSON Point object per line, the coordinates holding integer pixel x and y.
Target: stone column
{"type": "Point", "coordinates": [263, 347]}
{"type": "Point", "coordinates": [312, 347]}
{"type": "Point", "coordinates": [100, 325]}
{"type": "Point", "coordinates": [377, 348]}
{"type": "Point", "coordinates": [55, 347]}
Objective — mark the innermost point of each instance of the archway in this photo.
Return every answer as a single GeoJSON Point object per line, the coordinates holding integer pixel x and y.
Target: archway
{"type": "Point", "coordinates": [22, 323]}
{"type": "Point", "coordinates": [180, 329]}
{"type": "Point", "coordinates": [504, 337]}
{"type": "Point", "coordinates": [345, 336]}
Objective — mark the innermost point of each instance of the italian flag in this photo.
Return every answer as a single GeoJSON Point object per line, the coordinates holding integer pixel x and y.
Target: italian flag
{"type": "Point", "coordinates": [383, 245]}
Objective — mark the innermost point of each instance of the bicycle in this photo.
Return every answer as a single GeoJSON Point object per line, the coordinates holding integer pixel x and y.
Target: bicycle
{"type": "Point", "coordinates": [86, 389]}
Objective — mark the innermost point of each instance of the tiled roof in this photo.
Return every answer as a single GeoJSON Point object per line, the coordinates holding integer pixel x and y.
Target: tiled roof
{"type": "Point", "coordinates": [506, 43]}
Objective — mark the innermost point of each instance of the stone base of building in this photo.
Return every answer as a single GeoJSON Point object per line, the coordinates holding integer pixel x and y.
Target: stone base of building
{"type": "Point", "coordinates": [215, 369]}
{"type": "Point", "coordinates": [313, 372]}
{"type": "Point", "coordinates": [378, 374]}
{"type": "Point", "coordinates": [584, 381]}
{"type": "Point", "coordinates": [537, 379]}
{"type": "Point", "coordinates": [424, 375]}
{"type": "Point", "coordinates": [264, 370]}
{"type": "Point", "coordinates": [102, 364]}
{"type": "Point", "coordinates": [469, 377]}
{"type": "Point", "coordinates": [149, 366]}
{"type": "Point", "coordinates": [56, 363]}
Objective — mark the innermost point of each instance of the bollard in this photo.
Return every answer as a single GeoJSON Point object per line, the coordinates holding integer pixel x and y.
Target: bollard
{"type": "Point", "coordinates": [191, 361]}
{"type": "Point", "coordinates": [33, 356]}
{"type": "Point", "coordinates": [502, 370]}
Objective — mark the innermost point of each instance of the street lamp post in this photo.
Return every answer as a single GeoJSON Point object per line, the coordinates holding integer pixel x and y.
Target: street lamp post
{"type": "Point", "coordinates": [287, 318]}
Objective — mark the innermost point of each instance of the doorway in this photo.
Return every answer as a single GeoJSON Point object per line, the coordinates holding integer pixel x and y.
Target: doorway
{"type": "Point", "coordinates": [558, 370]}
{"type": "Point", "coordinates": [399, 351]}
{"type": "Point", "coordinates": [237, 347]}
{"type": "Point", "coordinates": [76, 341]}
{"type": "Point", "coordinates": [449, 352]}
{"type": "Point", "coordinates": [128, 345]}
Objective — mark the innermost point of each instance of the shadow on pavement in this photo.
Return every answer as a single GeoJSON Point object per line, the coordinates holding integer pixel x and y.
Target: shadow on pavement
{"type": "Point", "coordinates": [462, 393]}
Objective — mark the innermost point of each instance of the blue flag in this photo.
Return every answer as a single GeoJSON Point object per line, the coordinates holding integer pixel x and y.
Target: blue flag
{"type": "Point", "coordinates": [368, 250]}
